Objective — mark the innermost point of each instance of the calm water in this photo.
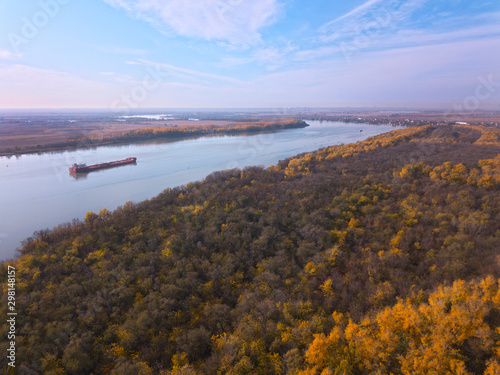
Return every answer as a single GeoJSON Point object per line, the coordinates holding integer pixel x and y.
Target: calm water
{"type": "Point", "coordinates": [37, 191]}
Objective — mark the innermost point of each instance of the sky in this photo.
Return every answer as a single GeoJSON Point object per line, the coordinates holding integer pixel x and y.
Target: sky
{"type": "Point", "coordinates": [131, 54]}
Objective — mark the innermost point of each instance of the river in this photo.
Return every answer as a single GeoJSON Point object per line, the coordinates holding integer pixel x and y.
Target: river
{"type": "Point", "coordinates": [38, 192]}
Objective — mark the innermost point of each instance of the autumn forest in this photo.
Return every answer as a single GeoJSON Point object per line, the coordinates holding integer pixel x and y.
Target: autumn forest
{"type": "Point", "coordinates": [379, 257]}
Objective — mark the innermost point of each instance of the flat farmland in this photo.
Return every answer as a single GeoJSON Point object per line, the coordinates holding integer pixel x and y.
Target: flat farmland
{"type": "Point", "coordinates": [29, 134]}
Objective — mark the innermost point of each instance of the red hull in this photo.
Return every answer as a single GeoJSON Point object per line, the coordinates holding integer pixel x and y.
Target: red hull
{"type": "Point", "coordinates": [80, 168]}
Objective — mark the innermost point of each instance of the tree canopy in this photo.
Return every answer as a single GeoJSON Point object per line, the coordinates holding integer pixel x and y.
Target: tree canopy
{"type": "Point", "coordinates": [376, 257]}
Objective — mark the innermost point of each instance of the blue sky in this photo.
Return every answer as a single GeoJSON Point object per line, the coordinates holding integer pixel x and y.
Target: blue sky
{"type": "Point", "coordinates": [124, 54]}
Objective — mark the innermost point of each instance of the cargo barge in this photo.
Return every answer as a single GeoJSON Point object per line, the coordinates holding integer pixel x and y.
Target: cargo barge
{"type": "Point", "coordinates": [83, 168]}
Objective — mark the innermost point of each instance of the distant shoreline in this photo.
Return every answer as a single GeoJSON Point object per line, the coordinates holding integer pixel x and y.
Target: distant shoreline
{"type": "Point", "coordinates": [40, 134]}
{"type": "Point", "coordinates": [156, 134]}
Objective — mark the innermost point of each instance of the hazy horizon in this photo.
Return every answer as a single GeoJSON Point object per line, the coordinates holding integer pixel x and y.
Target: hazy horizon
{"type": "Point", "coordinates": [157, 110]}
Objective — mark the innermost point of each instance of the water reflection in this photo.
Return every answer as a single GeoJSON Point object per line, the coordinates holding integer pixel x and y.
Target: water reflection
{"type": "Point", "coordinates": [79, 176]}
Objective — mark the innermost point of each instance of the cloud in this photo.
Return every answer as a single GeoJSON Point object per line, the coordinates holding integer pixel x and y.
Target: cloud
{"type": "Point", "coordinates": [412, 37]}
{"type": "Point", "coordinates": [121, 78]}
{"type": "Point", "coordinates": [316, 54]}
{"type": "Point", "coordinates": [356, 11]}
{"type": "Point", "coordinates": [388, 25]}
{"type": "Point", "coordinates": [273, 57]}
{"type": "Point", "coordinates": [404, 76]}
{"type": "Point", "coordinates": [7, 55]}
{"type": "Point", "coordinates": [121, 50]}
{"type": "Point", "coordinates": [396, 39]}
{"type": "Point", "coordinates": [415, 76]}
{"type": "Point", "coordinates": [370, 19]}
{"type": "Point", "coordinates": [232, 62]}
{"type": "Point", "coordinates": [162, 71]}
{"type": "Point", "coordinates": [270, 57]}
{"type": "Point", "coordinates": [237, 22]}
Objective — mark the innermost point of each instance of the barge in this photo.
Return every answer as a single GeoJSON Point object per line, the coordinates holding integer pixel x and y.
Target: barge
{"type": "Point", "coordinates": [83, 168]}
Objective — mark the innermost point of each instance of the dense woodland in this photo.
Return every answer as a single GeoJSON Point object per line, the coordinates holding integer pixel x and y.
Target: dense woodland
{"type": "Point", "coordinates": [373, 258]}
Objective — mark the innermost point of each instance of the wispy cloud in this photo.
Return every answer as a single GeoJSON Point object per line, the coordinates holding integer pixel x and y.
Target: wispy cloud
{"type": "Point", "coordinates": [121, 50]}
{"type": "Point", "coordinates": [7, 55]}
{"type": "Point", "coordinates": [356, 11]}
{"type": "Point", "coordinates": [274, 57]}
{"type": "Point", "coordinates": [237, 22]}
{"type": "Point", "coordinates": [394, 24]}
{"type": "Point", "coordinates": [232, 62]}
{"type": "Point", "coordinates": [371, 18]}
{"type": "Point", "coordinates": [425, 76]}
{"type": "Point", "coordinates": [121, 78]}
{"type": "Point", "coordinates": [415, 37]}
{"type": "Point", "coordinates": [163, 70]}
{"type": "Point", "coordinates": [316, 54]}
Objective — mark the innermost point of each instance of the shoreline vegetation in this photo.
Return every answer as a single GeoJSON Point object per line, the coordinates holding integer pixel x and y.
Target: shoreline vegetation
{"type": "Point", "coordinates": [25, 133]}
{"type": "Point", "coordinates": [376, 257]}
{"type": "Point", "coordinates": [157, 133]}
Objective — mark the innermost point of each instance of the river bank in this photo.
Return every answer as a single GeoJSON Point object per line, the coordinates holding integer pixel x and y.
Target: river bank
{"type": "Point", "coordinates": [74, 138]}
{"type": "Point", "coordinates": [39, 192]}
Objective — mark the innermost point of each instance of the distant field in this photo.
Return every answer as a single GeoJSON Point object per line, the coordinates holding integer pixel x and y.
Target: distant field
{"type": "Point", "coordinates": [26, 135]}
{"type": "Point", "coordinates": [33, 133]}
